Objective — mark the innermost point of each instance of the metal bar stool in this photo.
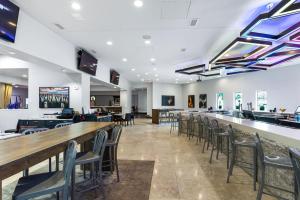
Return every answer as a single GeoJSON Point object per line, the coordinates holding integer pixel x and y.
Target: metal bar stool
{"type": "Point", "coordinates": [295, 158]}
{"type": "Point", "coordinates": [181, 121]}
{"type": "Point", "coordinates": [93, 158]}
{"type": "Point", "coordinates": [174, 121]}
{"type": "Point", "coordinates": [207, 133]}
{"type": "Point", "coordinates": [200, 125]}
{"type": "Point", "coordinates": [243, 143]}
{"type": "Point", "coordinates": [112, 145]}
{"type": "Point", "coordinates": [190, 126]}
{"type": "Point", "coordinates": [270, 161]}
{"type": "Point", "coordinates": [218, 135]}
{"type": "Point", "coordinates": [47, 183]}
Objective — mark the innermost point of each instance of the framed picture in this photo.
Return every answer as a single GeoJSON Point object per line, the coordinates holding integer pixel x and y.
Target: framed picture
{"type": "Point", "coordinates": [191, 101]}
{"type": "Point", "coordinates": [203, 101]}
{"type": "Point", "coordinates": [54, 97]}
{"type": "Point", "coordinates": [167, 100]}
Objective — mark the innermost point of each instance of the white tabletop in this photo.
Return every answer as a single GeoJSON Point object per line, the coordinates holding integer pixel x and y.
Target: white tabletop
{"type": "Point", "coordinates": [280, 134]}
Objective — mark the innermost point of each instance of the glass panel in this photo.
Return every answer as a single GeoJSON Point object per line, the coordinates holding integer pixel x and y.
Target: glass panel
{"type": "Point", "coordinates": [261, 100]}
{"type": "Point", "coordinates": [220, 101]}
{"type": "Point", "coordinates": [238, 100]}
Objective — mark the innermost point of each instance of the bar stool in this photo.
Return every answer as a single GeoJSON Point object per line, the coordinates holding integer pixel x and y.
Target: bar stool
{"type": "Point", "coordinates": [181, 121]}
{"type": "Point", "coordinates": [218, 135]}
{"type": "Point", "coordinates": [200, 125]}
{"type": "Point", "coordinates": [47, 183]}
{"type": "Point", "coordinates": [92, 157]}
{"type": "Point", "coordinates": [276, 162]}
{"type": "Point", "coordinates": [295, 158]}
{"type": "Point", "coordinates": [243, 143]}
{"type": "Point", "coordinates": [174, 121]}
{"type": "Point", "coordinates": [190, 126]}
{"type": "Point", "coordinates": [207, 131]}
{"type": "Point", "coordinates": [112, 145]}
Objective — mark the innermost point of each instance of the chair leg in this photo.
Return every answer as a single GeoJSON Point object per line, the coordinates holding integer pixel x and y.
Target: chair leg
{"type": "Point", "coordinates": [254, 168]}
{"type": "Point", "coordinates": [227, 152]}
{"type": "Point", "coordinates": [117, 165]}
{"type": "Point", "coordinates": [50, 165]}
{"type": "Point", "coordinates": [110, 160]}
{"type": "Point", "coordinates": [57, 195]}
{"type": "Point", "coordinates": [219, 142]}
{"type": "Point", "coordinates": [261, 185]}
{"type": "Point", "coordinates": [212, 150]}
{"type": "Point", "coordinates": [72, 184]}
{"type": "Point", "coordinates": [231, 165]}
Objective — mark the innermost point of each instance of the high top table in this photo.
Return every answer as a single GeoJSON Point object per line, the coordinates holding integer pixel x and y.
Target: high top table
{"type": "Point", "coordinates": [18, 154]}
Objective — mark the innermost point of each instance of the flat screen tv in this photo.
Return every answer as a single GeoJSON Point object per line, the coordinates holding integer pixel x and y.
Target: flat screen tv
{"type": "Point", "coordinates": [114, 77]}
{"type": "Point", "coordinates": [87, 63]}
{"type": "Point", "coordinates": [9, 14]}
{"type": "Point", "coordinates": [54, 97]}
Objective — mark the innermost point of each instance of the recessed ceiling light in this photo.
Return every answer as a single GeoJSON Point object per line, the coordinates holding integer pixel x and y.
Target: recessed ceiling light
{"type": "Point", "coordinates": [152, 59]}
{"type": "Point", "coordinates": [226, 55]}
{"type": "Point", "coordinates": [270, 5]}
{"type": "Point", "coordinates": [147, 42]}
{"type": "Point", "coordinates": [76, 6]}
{"type": "Point", "coordinates": [115, 87]}
{"type": "Point", "coordinates": [109, 43]}
{"type": "Point", "coordinates": [248, 38]}
{"type": "Point", "coordinates": [142, 80]}
{"type": "Point", "coordinates": [138, 3]}
{"type": "Point", "coordinates": [154, 69]}
{"type": "Point", "coordinates": [157, 79]}
{"type": "Point", "coordinates": [16, 86]}
{"type": "Point", "coordinates": [138, 75]}
{"type": "Point", "coordinates": [177, 79]}
{"type": "Point", "coordinates": [24, 75]}
{"type": "Point", "coordinates": [156, 75]}
{"type": "Point", "coordinates": [11, 53]}
{"type": "Point", "coordinates": [64, 70]}
{"type": "Point", "coordinates": [124, 59]}
{"type": "Point", "coordinates": [146, 73]}
{"type": "Point", "coordinates": [133, 69]}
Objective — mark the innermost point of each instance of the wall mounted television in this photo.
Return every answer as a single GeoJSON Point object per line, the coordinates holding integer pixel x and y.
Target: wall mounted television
{"type": "Point", "coordinates": [54, 97]}
{"type": "Point", "coordinates": [9, 14]}
{"type": "Point", "coordinates": [86, 62]}
{"type": "Point", "coordinates": [114, 77]}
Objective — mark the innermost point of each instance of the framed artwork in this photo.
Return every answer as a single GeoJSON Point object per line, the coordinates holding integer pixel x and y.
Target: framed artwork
{"type": "Point", "coordinates": [54, 97]}
{"type": "Point", "coordinates": [167, 100]}
{"type": "Point", "coordinates": [220, 101]}
{"type": "Point", "coordinates": [238, 100]}
{"type": "Point", "coordinates": [203, 101]}
{"type": "Point", "coordinates": [191, 101]}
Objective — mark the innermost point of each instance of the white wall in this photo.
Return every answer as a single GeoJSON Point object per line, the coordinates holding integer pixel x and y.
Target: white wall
{"type": "Point", "coordinates": [38, 76]}
{"type": "Point", "coordinates": [160, 89]}
{"type": "Point", "coordinates": [281, 84]}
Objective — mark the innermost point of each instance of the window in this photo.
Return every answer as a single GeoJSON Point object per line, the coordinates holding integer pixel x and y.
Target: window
{"type": "Point", "coordinates": [237, 100]}
{"type": "Point", "coordinates": [261, 100]}
{"type": "Point", "coordinates": [220, 101]}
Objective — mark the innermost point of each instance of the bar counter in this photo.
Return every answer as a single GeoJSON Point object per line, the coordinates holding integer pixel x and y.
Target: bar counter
{"type": "Point", "coordinates": [282, 135]}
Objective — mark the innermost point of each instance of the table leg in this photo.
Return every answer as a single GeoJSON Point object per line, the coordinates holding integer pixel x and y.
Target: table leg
{"type": "Point", "coordinates": [0, 189]}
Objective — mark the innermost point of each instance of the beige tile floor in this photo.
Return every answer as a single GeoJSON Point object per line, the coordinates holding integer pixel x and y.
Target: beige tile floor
{"type": "Point", "coordinates": [181, 170]}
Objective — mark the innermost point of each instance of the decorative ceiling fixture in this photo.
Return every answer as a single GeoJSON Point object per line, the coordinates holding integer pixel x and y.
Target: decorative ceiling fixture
{"type": "Point", "coordinates": [295, 37]}
{"type": "Point", "coordinates": [282, 53]}
{"type": "Point", "coordinates": [194, 70]}
{"type": "Point", "coordinates": [239, 49]}
{"type": "Point", "coordinates": [286, 7]}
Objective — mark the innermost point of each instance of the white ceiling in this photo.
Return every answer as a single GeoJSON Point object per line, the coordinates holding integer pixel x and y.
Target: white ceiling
{"type": "Point", "coordinates": [167, 21]}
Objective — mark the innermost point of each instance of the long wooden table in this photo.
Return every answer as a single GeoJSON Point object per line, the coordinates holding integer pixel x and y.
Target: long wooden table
{"type": "Point", "coordinates": [18, 154]}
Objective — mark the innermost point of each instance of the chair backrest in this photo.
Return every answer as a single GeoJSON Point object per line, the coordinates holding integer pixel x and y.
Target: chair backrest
{"type": "Point", "coordinates": [199, 119]}
{"type": "Point", "coordinates": [100, 142]}
{"type": "Point", "coordinates": [206, 121]}
{"type": "Point", "coordinates": [214, 124]}
{"type": "Point", "coordinates": [127, 116]}
{"type": "Point", "coordinates": [90, 117]}
{"type": "Point", "coordinates": [69, 161]}
{"type": "Point", "coordinates": [63, 124]}
{"type": "Point", "coordinates": [116, 133]}
{"type": "Point", "coordinates": [34, 130]}
{"type": "Point", "coordinates": [295, 157]}
{"type": "Point", "coordinates": [260, 150]}
{"type": "Point", "coordinates": [231, 135]}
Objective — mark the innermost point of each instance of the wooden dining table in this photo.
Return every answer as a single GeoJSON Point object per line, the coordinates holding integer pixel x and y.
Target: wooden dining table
{"type": "Point", "coordinates": [18, 154]}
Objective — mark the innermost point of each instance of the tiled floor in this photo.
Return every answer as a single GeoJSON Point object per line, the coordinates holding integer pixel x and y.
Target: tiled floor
{"type": "Point", "coordinates": [181, 171]}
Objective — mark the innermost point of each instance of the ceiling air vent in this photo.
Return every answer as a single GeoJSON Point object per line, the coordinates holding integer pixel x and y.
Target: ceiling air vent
{"type": "Point", "coordinates": [59, 26]}
{"type": "Point", "coordinates": [194, 22]}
